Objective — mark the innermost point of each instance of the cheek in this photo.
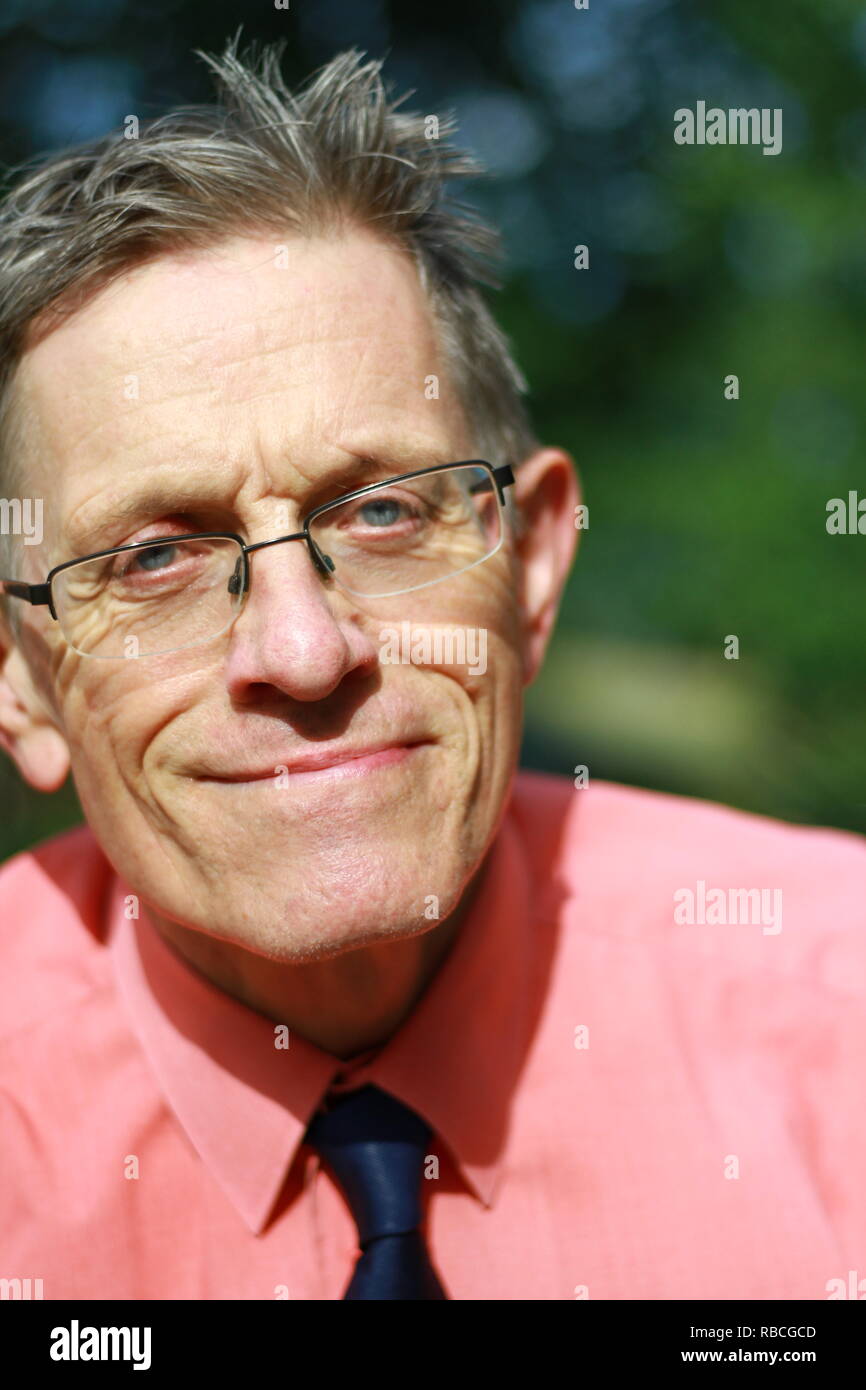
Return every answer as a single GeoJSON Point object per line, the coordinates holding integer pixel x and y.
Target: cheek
{"type": "Point", "coordinates": [489, 698]}
{"type": "Point", "coordinates": [467, 638]}
{"type": "Point", "coordinates": [112, 720]}
{"type": "Point", "coordinates": [479, 609]}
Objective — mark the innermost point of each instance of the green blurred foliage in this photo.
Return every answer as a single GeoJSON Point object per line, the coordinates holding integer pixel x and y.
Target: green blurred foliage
{"type": "Point", "coordinates": [707, 516]}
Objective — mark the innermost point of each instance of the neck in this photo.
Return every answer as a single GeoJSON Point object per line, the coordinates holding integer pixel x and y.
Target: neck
{"type": "Point", "coordinates": [344, 1005]}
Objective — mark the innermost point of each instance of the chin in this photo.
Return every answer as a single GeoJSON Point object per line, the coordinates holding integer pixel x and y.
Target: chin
{"type": "Point", "coordinates": [317, 917]}
{"type": "Point", "coordinates": [307, 950]}
{"type": "Point", "coordinates": [301, 942]}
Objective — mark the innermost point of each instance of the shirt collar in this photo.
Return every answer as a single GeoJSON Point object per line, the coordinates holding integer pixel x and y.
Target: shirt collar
{"type": "Point", "coordinates": [245, 1103]}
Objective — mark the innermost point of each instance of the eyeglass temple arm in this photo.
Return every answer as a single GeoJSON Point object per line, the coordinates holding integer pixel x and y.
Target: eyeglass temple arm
{"type": "Point", "coordinates": [503, 477]}
{"type": "Point", "coordinates": [31, 593]}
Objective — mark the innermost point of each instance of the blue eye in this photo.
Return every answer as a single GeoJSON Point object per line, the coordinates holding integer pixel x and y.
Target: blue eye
{"type": "Point", "coordinates": [155, 558]}
{"type": "Point", "coordinates": [380, 511]}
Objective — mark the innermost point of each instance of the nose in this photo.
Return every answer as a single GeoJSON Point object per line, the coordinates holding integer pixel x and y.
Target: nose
{"type": "Point", "coordinates": [295, 633]}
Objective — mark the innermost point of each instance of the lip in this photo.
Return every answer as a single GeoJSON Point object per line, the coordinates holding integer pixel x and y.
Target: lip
{"type": "Point", "coordinates": [328, 762]}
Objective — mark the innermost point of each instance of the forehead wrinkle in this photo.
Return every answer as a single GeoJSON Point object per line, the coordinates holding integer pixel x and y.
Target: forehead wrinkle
{"type": "Point", "coordinates": [393, 431]}
{"type": "Point", "coordinates": [197, 390]}
{"type": "Point", "coordinates": [195, 343]}
{"type": "Point", "coordinates": [148, 340]}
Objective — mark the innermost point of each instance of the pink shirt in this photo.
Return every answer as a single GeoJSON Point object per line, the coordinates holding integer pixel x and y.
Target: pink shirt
{"type": "Point", "coordinates": [625, 1105]}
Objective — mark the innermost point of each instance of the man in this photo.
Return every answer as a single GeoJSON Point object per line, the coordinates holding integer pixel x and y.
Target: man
{"type": "Point", "coordinates": [324, 1001]}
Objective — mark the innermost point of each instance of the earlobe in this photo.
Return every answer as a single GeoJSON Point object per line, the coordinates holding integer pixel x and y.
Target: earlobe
{"type": "Point", "coordinates": [28, 735]}
{"type": "Point", "coordinates": [548, 495]}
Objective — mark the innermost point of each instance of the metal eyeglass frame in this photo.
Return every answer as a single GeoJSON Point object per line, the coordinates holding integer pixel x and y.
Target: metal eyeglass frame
{"type": "Point", "coordinates": [500, 478]}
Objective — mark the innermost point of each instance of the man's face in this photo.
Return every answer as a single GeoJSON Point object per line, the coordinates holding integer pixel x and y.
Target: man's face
{"type": "Point", "coordinates": [231, 390]}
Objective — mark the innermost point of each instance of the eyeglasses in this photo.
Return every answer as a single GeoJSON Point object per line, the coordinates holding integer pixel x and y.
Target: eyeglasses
{"type": "Point", "coordinates": [173, 592]}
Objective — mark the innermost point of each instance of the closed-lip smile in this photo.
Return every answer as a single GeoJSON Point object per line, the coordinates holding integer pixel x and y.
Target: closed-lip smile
{"type": "Point", "coordinates": [348, 760]}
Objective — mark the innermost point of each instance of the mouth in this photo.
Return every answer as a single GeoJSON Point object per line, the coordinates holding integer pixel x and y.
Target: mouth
{"type": "Point", "coordinates": [325, 763]}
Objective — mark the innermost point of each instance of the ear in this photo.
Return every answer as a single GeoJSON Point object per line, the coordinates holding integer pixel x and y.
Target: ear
{"type": "Point", "coordinates": [27, 731]}
{"type": "Point", "coordinates": [546, 492]}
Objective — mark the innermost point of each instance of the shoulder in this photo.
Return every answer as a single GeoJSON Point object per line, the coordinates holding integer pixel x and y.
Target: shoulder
{"type": "Point", "coordinates": [52, 901]}
{"type": "Point", "coordinates": [657, 834]}
{"type": "Point", "coordinates": [629, 860]}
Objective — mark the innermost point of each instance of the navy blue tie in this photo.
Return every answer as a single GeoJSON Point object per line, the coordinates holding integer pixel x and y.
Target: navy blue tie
{"type": "Point", "coordinates": [375, 1147]}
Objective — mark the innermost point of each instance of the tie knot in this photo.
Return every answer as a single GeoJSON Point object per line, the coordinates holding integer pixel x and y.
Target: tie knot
{"type": "Point", "coordinates": [375, 1146]}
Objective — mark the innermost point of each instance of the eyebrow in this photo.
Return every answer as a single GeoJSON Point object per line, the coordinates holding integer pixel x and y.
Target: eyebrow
{"type": "Point", "coordinates": [119, 511]}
